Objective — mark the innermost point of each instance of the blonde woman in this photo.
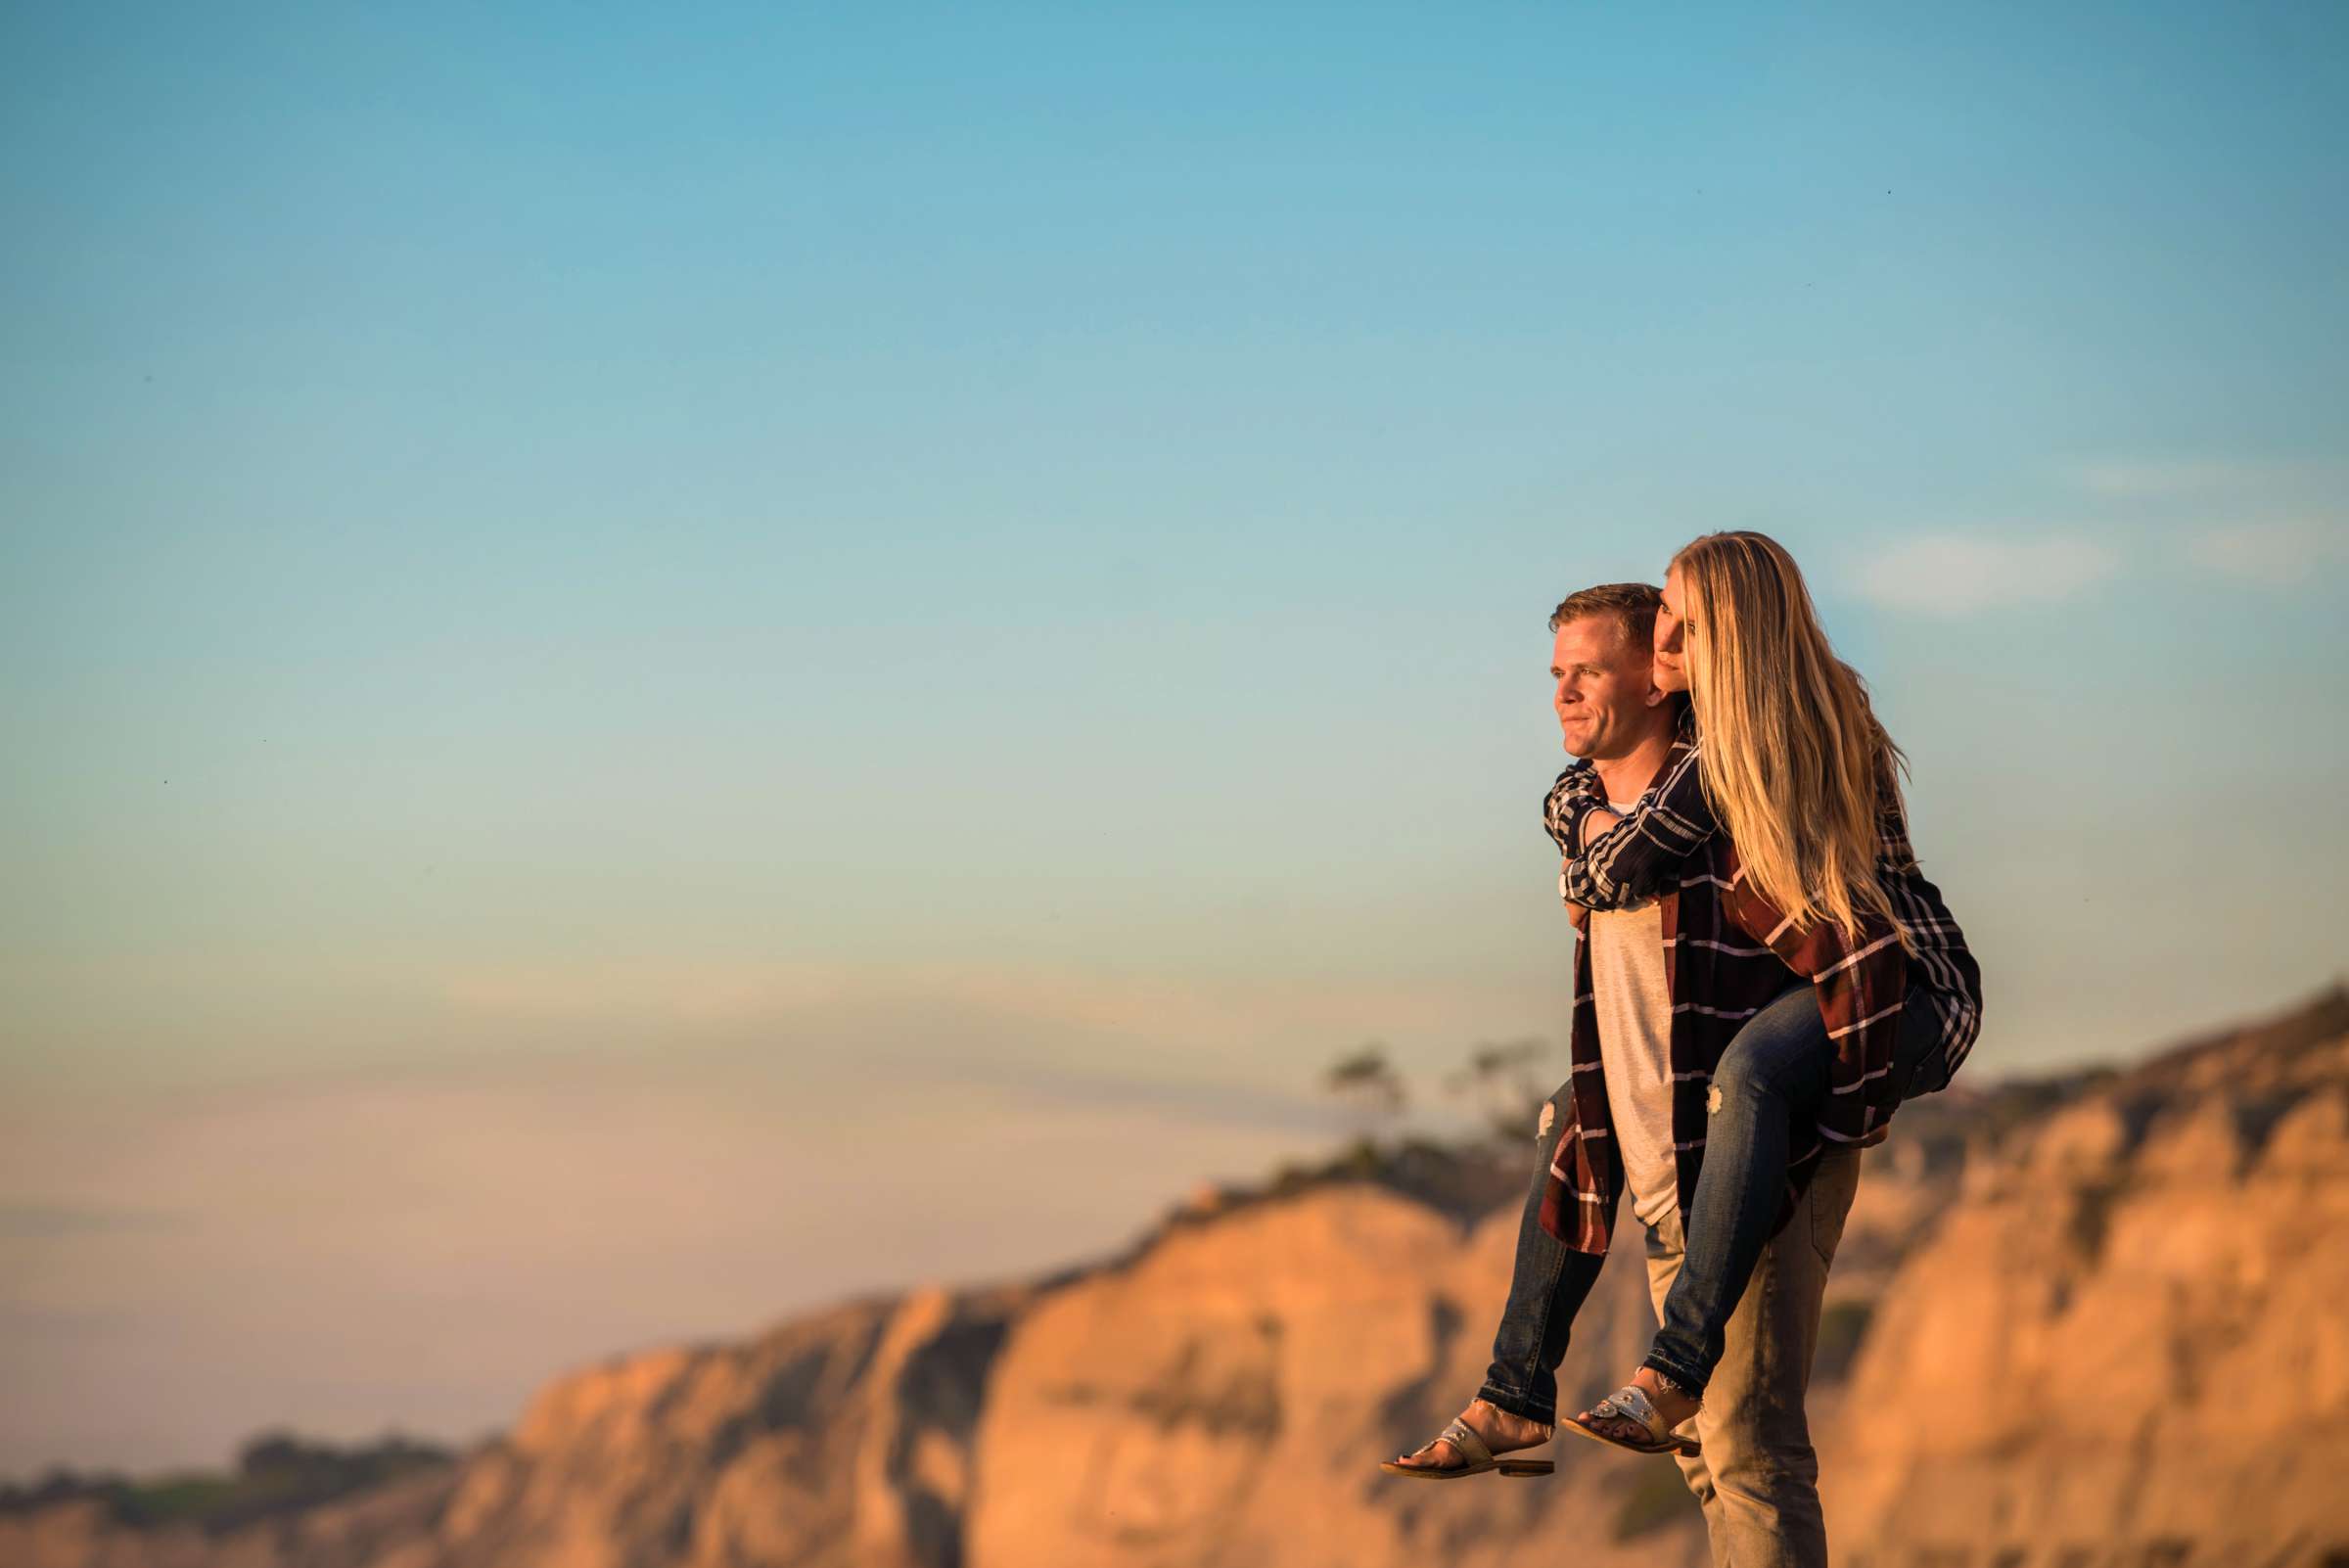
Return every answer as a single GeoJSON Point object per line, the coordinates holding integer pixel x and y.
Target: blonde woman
{"type": "Point", "coordinates": [1782, 806]}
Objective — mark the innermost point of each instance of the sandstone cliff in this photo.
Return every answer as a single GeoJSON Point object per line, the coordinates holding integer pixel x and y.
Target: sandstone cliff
{"type": "Point", "coordinates": [2128, 1341]}
{"type": "Point", "coordinates": [2097, 1321]}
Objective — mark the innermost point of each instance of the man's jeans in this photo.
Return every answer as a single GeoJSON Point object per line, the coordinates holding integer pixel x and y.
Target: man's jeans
{"type": "Point", "coordinates": [1773, 1072]}
{"type": "Point", "coordinates": [1758, 1476]}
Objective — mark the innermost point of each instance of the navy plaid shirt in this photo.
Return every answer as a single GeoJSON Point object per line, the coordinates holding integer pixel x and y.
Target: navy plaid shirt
{"type": "Point", "coordinates": [1728, 953]}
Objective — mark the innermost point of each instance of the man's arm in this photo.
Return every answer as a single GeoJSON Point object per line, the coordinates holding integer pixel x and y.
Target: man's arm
{"type": "Point", "coordinates": [1612, 861]}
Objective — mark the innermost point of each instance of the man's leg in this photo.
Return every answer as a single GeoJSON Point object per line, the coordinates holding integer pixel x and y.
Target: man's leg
{"type": "Point", "coordinates": [1758, 1477]}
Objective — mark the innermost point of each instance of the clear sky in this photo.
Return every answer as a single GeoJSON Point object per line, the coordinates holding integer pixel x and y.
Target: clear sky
{"type": "Point", "coordinates": [661, 664]}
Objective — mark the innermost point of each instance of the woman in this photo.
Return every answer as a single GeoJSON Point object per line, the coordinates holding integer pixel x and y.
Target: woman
{"type": "Point", "coordinates": [1789, 762]}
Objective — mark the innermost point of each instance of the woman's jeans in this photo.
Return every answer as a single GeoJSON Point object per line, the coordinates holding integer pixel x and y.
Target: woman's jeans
{"type": "Point", "coordinates": [1547, 1288]}
{"type": "Point", "coordinates": [1781, 1052]}
{"type": "Point", "coordinates": [1771, 1077]}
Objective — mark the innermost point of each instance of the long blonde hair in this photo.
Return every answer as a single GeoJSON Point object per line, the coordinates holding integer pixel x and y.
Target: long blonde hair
{"type": "Point", "coordinates": [1796, 766]}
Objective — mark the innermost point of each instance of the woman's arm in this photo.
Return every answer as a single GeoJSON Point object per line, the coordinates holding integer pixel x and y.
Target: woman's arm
{"type": "Point", "coordinates": [1557, 818]}
{"type": "Point", "coordinates": [1612, 861]}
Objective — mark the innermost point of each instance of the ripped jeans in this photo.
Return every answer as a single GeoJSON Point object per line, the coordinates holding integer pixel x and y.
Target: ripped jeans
{"type": "Point", "coordinates": [1774, 1070]}
{"type": "Point", "coordinates": [1758, 1476]}
{"type": "Point", "coordinates": [1550, 1280]}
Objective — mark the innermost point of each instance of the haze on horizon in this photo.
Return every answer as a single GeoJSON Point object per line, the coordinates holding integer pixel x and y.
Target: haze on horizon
{"type": "Point", "coordinates": [661, 668]}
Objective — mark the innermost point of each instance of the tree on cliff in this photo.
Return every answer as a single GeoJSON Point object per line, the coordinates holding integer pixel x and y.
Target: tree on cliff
{"type": "Point", "coordinates": [1503, 1082]}
{"type": "Point", "coordinates": [1366, 1084]}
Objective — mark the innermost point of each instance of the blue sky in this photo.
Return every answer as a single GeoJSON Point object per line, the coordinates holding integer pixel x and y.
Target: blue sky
{"type": "Point", "coordinates": [814, 557]}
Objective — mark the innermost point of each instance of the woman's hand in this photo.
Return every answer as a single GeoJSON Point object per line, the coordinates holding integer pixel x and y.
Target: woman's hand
{"type": "Point", "coordinates": [1596, 823]}
{"type": "Point", "coordinates": [1579, 916]}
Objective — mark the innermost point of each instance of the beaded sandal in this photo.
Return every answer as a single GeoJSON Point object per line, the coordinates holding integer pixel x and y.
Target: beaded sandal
{"type": "Point", "coordinates": [1462, 1437]}
{"type": "Point", "coordinates": [1630, 1403]}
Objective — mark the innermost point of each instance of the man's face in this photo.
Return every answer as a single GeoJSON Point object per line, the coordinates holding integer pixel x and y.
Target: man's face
{"type": "Point", "coordinates": [1602, 688]}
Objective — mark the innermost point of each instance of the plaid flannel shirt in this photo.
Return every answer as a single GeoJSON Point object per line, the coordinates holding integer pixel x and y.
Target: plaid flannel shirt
{"type": "Point", "coordinates": [1636, 860]}
{"type": "Point", "coordinates": [1728, 954]}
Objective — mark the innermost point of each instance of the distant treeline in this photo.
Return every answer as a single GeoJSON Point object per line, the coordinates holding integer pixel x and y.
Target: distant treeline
{"type": "Point", "coordinates": [277, 1473]}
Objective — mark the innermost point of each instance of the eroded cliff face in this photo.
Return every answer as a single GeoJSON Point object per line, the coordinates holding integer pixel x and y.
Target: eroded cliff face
{"type": "Point", "coordinates": [2108, 1325]}
{"type": "Point", "coordinates": [1223, 1401]}
{"type": "Point", "coordinates": [2128, 1341]}
{"type": "Point", "coordinates": [841, 1440]}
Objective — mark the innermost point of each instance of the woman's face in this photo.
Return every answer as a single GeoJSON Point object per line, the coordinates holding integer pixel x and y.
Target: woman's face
{"type": "Point", "coordinates": [1670, 670]}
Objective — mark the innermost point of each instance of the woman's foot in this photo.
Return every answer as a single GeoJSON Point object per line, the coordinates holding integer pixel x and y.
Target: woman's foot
{"type": "Point", "coordinates": [1672, 1406]}
{"type": "Point", "coordinates": [1502, 1431]}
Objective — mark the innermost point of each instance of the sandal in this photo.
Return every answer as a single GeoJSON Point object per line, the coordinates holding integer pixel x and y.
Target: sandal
{"type": "Point", "coordinates": [1461, 1435]}
{"type": "Point", "coordinates": [1630, 1403]}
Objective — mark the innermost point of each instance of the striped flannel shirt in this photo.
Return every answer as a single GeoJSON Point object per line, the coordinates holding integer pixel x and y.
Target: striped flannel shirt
{"type": "Point", "coordinates": [1728, 953]}
{"type": "Point", "coordinates": [1634, 861]}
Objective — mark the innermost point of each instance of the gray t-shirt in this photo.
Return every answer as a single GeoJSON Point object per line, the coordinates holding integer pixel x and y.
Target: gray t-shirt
{"type": "Point", "coordinates": [1633, 1004]}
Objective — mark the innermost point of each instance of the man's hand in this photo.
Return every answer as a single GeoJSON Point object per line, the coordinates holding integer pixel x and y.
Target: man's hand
{"type": "Point", "coordinates": [1595, 825]}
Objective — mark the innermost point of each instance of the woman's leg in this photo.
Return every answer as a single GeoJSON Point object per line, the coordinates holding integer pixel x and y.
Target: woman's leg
{"type": "Point", "coordinates": [1776, 1065]}
{"type": "Point", "coordinates": [1774, 1070]}
{"type": "Point", "coordinates": [1921, 1058]}
{"type": "Point", "coordinates": [1547, 1288]}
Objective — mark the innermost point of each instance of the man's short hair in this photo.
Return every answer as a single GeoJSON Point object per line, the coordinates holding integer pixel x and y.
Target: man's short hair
{"type": "Point", "coordinates": [1633, 605]}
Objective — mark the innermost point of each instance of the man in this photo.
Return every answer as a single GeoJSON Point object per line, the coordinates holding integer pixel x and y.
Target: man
{"type": "Point", "coordinates": [1650, 987]}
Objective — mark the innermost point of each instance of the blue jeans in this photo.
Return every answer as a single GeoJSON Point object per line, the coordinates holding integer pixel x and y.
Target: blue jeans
{"type": "Point", "coordinates": [1550, 1280]}
{"type": "Point", "coordinates": [1774, 1071]}
{"type": "Point", "coordinates": [1757, 1478]}
{"type": "Point", "coordinates": [1547, 1288]}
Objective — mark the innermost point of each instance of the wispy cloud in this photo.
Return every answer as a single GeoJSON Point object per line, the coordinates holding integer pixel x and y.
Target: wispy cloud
{"type": "Point", "coordinates": [1023, 998]}
{"type": "Point", "coordinates": [1960, 573]}
{"type": "Point", "coordinates": [2284, 521]}
{"type": "Point", "coordinates": [2144, 478]}
{"type": "Point", "coordinates": [55, 1221]}
{"type": "Point", "coordinates": [2276, 554]}
{"type": "Point", "coordinates": [683, 991]}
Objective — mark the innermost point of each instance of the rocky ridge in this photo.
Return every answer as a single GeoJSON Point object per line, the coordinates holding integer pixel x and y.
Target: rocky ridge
{"type": "Point", "coordinates": [2090, 1322]}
